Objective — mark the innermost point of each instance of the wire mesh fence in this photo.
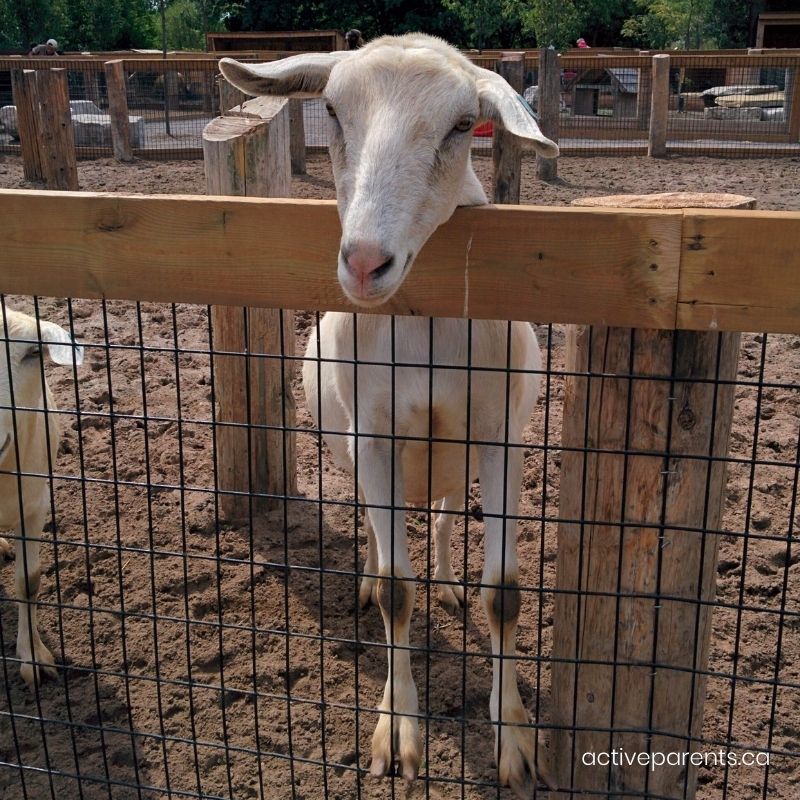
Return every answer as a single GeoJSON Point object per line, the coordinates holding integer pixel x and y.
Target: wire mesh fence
{"type": "Point", "coordinates": [200, 657]}
{"type": "Point", "coordinates": [727, 104]}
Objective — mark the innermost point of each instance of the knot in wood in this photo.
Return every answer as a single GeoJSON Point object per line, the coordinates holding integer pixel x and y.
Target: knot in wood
{"type": "Point", "coordinates": [687, 419]}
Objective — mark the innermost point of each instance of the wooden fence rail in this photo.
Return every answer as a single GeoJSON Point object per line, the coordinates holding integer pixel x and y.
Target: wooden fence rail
{"type": "Point", "coordinates": [687, 269]}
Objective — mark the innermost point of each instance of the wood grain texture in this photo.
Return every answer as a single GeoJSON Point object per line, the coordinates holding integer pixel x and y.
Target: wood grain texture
{"type": "Point", "coordinates": [549, 109]}
{"type": "Point", "coordinates": [507, 262]}
{"type": "Point", "coordinates": [506, 149]}
{"type": "Point", "coordinates": [248, 154]}
{"type": "Point", "coordinates": [118, 110]}
{"type": "Point", "coordinates": [23, 86]}
{"type": "Point", "coordinates": [615, 538]}
{"type": "Point", "coordinates": [54, 128]}
{"type": "Point", "coordinates": [740, 271]}
{"type": "Point", "coordinates": [659, 108]}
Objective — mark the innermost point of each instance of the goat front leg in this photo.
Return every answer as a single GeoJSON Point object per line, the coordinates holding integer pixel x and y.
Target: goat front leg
{"type": "Point", "coordinates": [514, 738]}
{"type": "Point", "coordinates": [449, 590]}
{"type": "Point", "coordinates": [396, 736]}
{"type": "Point", "coordinates": [36, 660]}
{"type": "Point", "coordinates": [368, 591]}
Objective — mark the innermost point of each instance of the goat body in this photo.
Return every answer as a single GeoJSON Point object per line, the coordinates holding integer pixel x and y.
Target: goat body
{"type": "Point", "coordinates": [402, 113]}
{"type": "Point", "coordinates": [29, 439]}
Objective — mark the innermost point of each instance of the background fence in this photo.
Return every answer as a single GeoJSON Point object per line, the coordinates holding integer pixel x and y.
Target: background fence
{"type": "Point", "coordinates": [729, 104]}
{"type": "Point", "coordinates": [211, 659]}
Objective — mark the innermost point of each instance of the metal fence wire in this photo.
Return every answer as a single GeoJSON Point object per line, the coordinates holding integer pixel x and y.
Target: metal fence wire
{"type": "Point", "coordinates": [729, 104]}
{"type": "Point", "coordinates": [201, 658]}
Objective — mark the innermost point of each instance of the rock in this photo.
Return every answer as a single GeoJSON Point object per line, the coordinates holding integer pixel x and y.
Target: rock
{"type": "Point", "coordinates": [94, 130]}
{"type": "Point", "coordinates": [8, 121]}
{"type": "Point", "coordinates": [722, 91]}
{"type": "Point", "coordinates": [84, 107]}
{"type": "Point", "coordinates": [760, 522]}
{"type": "Point", "coordinates": [718, 112]}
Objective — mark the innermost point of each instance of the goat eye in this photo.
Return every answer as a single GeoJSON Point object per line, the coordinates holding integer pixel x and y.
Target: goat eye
{"type": "Point", "coordinates": [330, 109]}
{"type": "Point", "coordinates": [464, 124]}
{"type": "Point", "coordinates": [33, 353]}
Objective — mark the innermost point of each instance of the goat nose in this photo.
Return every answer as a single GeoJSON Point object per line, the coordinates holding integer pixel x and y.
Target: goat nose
{"type": "Point", "coordinates": [365, 259]}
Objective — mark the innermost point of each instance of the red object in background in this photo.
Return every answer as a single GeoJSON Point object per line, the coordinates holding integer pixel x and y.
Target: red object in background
{"type": "Point", "coordinates": [484, 130]}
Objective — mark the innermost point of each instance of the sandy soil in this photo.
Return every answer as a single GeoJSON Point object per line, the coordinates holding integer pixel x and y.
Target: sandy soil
{"type": "Point", "coordinates": [189, 633]}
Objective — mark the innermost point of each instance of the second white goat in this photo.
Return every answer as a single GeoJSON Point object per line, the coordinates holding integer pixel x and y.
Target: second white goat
{"type": "Point", "coordinates": [29, 439]}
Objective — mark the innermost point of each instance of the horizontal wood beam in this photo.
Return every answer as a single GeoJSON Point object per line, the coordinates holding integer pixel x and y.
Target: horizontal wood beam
{"type": "Point", "coordinates": [693, 269]}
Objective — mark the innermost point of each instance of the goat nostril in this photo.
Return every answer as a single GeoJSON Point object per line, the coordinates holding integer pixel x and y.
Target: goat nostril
{"type": "Point", "coordinates": [383, 268]}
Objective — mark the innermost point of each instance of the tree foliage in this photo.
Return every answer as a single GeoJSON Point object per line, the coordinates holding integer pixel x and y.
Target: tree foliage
{"type": "Point", "coordinates": [122, 24]}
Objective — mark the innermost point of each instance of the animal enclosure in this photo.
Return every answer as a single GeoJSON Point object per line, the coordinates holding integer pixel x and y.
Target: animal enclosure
{"type": "Point", "coordinates": [735, 104]}
{"type": "Point", "coordinates": [215, 659]}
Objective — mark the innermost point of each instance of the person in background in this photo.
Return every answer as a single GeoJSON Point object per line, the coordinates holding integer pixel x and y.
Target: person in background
{"type": "Point", "coordinates": [49, 48]}
{"type": "Point", "coordinates": [353, 39]}
{"type": "Point", "coordinates": [582, 44]}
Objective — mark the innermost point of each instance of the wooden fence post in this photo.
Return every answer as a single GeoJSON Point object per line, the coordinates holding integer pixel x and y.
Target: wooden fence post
{"type": "Point", "coordinates": [642, 484]}
{"type": "Point", "coordinates": [506, 149]}
{"type": "Point", "coordinates": [56, 139]}
{"type": "Point", "coordinates": [23, 87]}
{"type": "Point", "coordinates": [297, 137]}
{"type": "Point", "coordinates": [791, 103]}
{"type": "Point", "coordinates": [659, 108]}
{"type": "Point", "coordinates": [549, 108]}
{"type": "Point", "coordinates": [229, 96]}
{"type": "Point", "coordinates": [248, 154]}
{"type": "Point", "coordinates": [118, 110]}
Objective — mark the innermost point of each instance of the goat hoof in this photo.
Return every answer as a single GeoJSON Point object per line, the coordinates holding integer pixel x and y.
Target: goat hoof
{"type": "Point", "coordinates": [451, 598]}
{"type": "Point", "coordinates": [401, 753]}
{"type": "Point", "coordinates": [43, 669]}
{"type": "Point", "coordinates": [517, 767]}
{"type": "Point", "coordinates": [6, 550]}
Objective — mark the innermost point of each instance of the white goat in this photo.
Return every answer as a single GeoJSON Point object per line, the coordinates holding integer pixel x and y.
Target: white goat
{"type": "Point", "coordinates": [28, 445]}
{"type": "Point", "coordinates": [402, 113]}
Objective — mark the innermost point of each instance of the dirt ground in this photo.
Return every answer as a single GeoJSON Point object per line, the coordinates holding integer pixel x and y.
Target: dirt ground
{"type": "Point", "coordinates": [182, 636]}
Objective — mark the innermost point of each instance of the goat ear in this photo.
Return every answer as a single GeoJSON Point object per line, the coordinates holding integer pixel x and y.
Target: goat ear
{"type": "Point", "coordinates": [501, 104]}
{"type": "Point", "coordinates": [302, 75]}
{"type": "Point", "coordinates": [60, 346]}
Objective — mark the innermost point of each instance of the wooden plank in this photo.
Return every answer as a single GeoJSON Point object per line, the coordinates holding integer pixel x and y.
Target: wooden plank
{"type": "Point", "coordinates": [54, 122]}
{"type": "Point", "coordinates": [118, 111]}
{"type": "Point", "coordinates": [659, 108]}
{"type": "Point", "coordinates": [740, 271]}
{"type": "Point", "coordinates": [23, 87]}
{"type": "Point", "coordinates": [509, 262]}
{"type": "Point", "coordinates": [507, 149]}
{"type": "Point", "coordinates": [549, 109]}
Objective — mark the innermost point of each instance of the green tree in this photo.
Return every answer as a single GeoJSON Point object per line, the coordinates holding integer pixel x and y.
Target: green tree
{"type": "Point", "coordinates": [553, 22]}
{"type": "Point", "coordinates": [482, 19]}
{"type": "Point", "coordinates": [686, 24]}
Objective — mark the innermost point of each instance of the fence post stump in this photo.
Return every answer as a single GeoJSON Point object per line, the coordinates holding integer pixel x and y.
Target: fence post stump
{"type": "Point", "coordinates": [56, 138]}
{"type": "Point", "coordinates": [229, 96]}
{"type": "Point", "coordinates": [506, 149]}
{"type": "Point", "coordinates": [118, 110]}
{"type": "Point", "coordinates": [635, 511]}
{"type": "Point", "coordinates": [23, 87]}
{"type": "Point", "coordinates": [659, 108]}
{"type": "Point", "coordinates": [549, 109]}
{"type": "Point", "coordinates": [248, 154]}
{"type": "Point", "coordinates": [297, 137]}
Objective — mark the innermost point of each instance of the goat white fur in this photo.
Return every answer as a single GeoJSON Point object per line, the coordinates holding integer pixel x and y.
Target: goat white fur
{"type": "Point", "coordinates": [402, 113]}
{"type": "Point", "coordinates": [29, 439]}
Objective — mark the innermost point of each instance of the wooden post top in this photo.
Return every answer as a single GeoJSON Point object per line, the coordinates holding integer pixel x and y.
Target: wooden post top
{"type": "Point", "coordinates": [668, 200]}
